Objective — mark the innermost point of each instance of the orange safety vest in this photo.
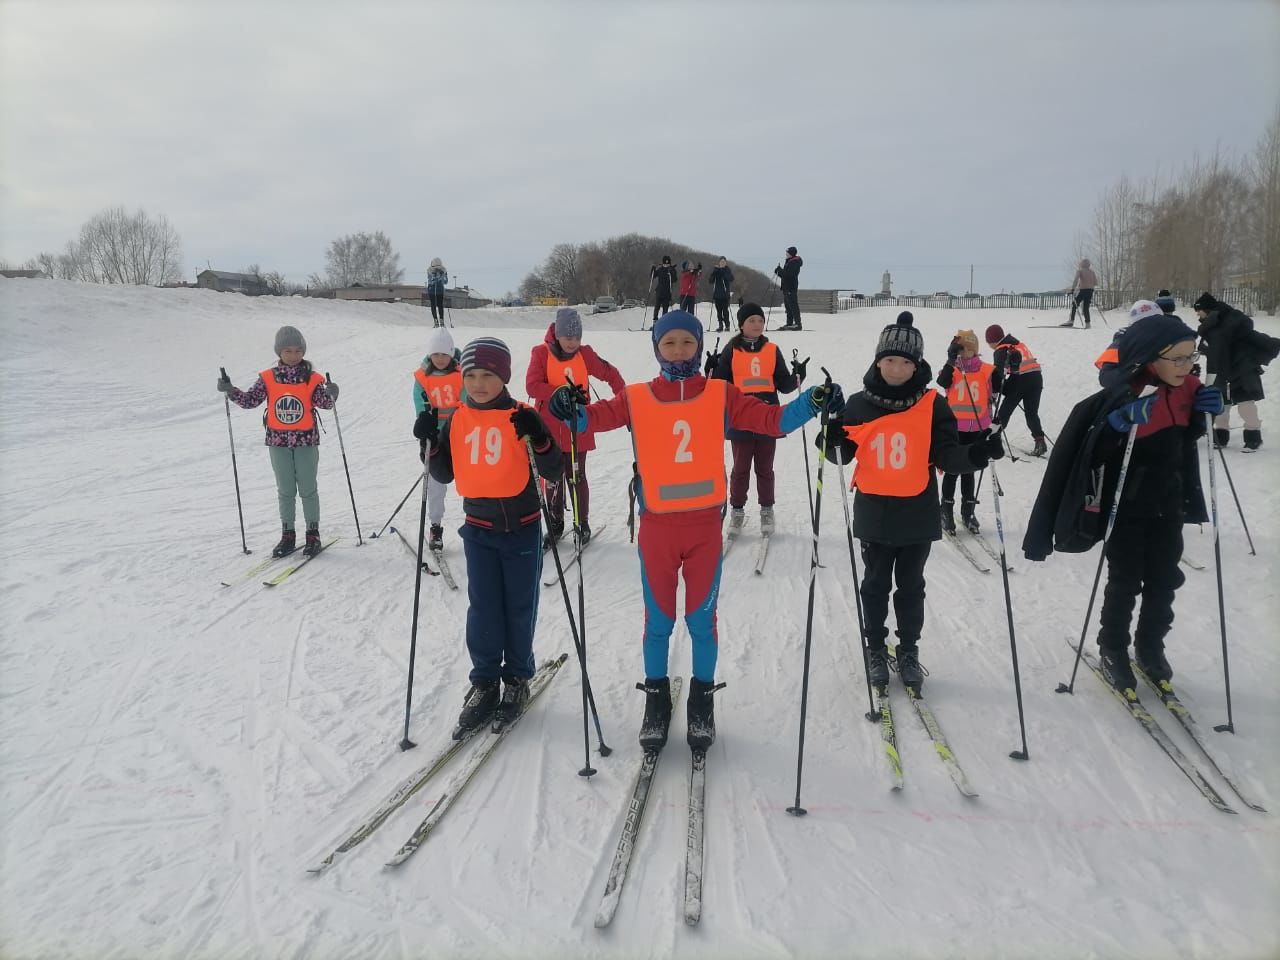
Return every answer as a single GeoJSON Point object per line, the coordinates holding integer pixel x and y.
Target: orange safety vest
{"type": "Point", "coordinates": [559, 371]}
{"type": "Point", "coordinates": [289, 404]}
{"type": "Point", "coordinates": [1029, 363]}
{"type": "Point", "coordinates": [679, 446]}
{"type": "Point", "coordinates": [753, 372]}
{"type": "Point", "coordinates": [1109, 355]}
{"type": "Point", "coordinates": [443, 390]}
{"type": "Point", "coordinates": [489, 460]}
{"type": "Point", "coordinates": [893, 451]}
{"type": "Point", "coordinates": [974, 403]}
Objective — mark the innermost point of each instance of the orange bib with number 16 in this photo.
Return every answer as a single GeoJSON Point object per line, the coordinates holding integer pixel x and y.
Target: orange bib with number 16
{"type": "Point", "coordinates": [893, 451]}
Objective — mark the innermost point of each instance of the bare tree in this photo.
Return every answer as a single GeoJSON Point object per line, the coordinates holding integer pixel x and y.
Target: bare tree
{"type": "Point", "coordinates": [366, 258]}
{"type": "Point", "coordinates": [118, 247]}
{"type": "Point", "coordinates": [1264, 175]}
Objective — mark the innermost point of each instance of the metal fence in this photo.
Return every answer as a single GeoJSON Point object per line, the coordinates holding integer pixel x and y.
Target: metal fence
{"type": "Point", "coordinates": [1243, 298]}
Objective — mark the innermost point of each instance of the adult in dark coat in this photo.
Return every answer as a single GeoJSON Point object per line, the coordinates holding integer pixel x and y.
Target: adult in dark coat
{"type": "Point", "coordinates": [1235, 354]}
{"type": "Point", "coordinates": [788, 273]}
{"type": "Point", "coordinates": [662, 277]}
{"type": "Point", "coordinates": [721, 281]}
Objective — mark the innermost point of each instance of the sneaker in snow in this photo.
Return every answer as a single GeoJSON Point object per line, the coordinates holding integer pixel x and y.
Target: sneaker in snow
{"type": "Point", "coordinates": [1116, 669]}
{"type": "Point", "coordinates": [657, 713]}
{"type": "Point", "coordinates": [437, 537]}
{"type": "Point", "coordinates": [909, 668]}
{"type": "Point", "coordinates": [313, 545]}
{"type": "Point", "coordinates": [288, 543]}
{"type": "Point", "coordinates": [737, 517]}
{"type": "Point", "coordinates": [701, 714]}
{"type": "Point", "coordinates": [878, 666]}
{"type": "Point", "coordinates": [478, 706]}
{"type": "Point", "coordinates": [766, 521]}
{"type": "Point", "coordinates": [515, 695]}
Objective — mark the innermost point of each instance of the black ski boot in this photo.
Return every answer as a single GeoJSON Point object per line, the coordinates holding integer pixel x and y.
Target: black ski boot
{"type": "Point", "coordinates": [1041, 448]}
{"type": "Point", "coordinates": [288, 543]}
{"type": "Point", "coordinates": [313, 544]}
{"type": "Point", "coordinates": [584, 533]}
{"type": "Point", "coordinates": [701, 715]}
{"type": "Point", "coordinates": [948, 518]}
{"type": "Point", "coordinates": [553, 535]}
{"type": "Point", "coordinates": [1221, 437]}
{"type": "Point", "coordinates": [515, 695]}
{"type": "Point", "coordinates": [909, 669]}
{"type": "Point", "coordinates": [877, 666]}
{"type": "Point", "coordinates": [1116, 668]}
{"type": "Point", "coordinates": [478, 707]}
{"type": "Point", "coordinates": [1150, 657]}
{"type": "Point", "coordinates": [1252, 439]}
{"type": "Point", "coordinates": [657, 713]}
{"type": "Point", "coordinates": [966, 515]}
{"type": "Point", "coordinates": [436, 541]}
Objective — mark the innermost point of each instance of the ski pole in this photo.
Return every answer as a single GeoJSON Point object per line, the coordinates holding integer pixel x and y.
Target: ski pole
{"type": "Point", "coordinates": [235, 470]}
{"type": "Point", "coordinates": [406, 743]}
{"type": "Point", "coordinates": [587, 770]}
{"type": "Point", "coordinates": [644, 316]}
{"type": "Point", "coordinates": [396, 511]}
{"type": "Point", "coordinates": [343, 447]}
{"type": "Point", "coordinates": [604, 748]}
{"type": "Point", "coordinates": [1008, 609]}
{"type": "Point", "coordinates": [1111, 522]}
{"type": "Point", "coordinates": [804, 443]}
{"type": "Point", "coordinates": [871, 714]}
{"type": "Point", "coordinates": [1231, 483]}
{"type": "Point", "coordinates": [1229, 726]}
{"type": "Point", "coordinates": [797, 810]}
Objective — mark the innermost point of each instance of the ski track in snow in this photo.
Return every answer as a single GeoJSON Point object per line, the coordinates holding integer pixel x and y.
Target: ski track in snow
{"type": "Point", "coordinates": [175, 752]}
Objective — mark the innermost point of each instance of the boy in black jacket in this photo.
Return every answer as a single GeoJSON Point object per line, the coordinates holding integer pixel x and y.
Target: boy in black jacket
{"type": "Point", "coordinates": [661, 279]}
{"type": "Point", "coordinates": [1161, 491]}
{"type": "Point", "coordinates": [482, 450]}
{"type": "Point", "coordinates": [899, 429]}
{"type": "Point", "coordinates": [788, 273]}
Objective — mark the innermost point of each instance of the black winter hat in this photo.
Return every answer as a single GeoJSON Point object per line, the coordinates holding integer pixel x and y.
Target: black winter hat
{"type": "Point", "coordinates": [1206, 302]}
{"type": "Point", "coordinates": [748, 310]}
{"type": "Point", "coordinates": [901, 339]}
{"type": "Point", "coordinates": [791, 251]}
{"type": "Point", "coordinates": [666, 259]}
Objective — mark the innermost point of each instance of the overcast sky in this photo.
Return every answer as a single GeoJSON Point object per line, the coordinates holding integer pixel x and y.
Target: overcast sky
{"type": "Point", "coordinates": [914, 136]}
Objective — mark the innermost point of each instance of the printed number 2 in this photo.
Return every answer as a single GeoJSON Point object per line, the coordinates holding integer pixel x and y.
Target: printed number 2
{"type": "Point", "coordinates": [682, 430]}
{"type": "Point", "coordinates": [492, 445]}
{"type": "Point", "coordinates": [897, 451]}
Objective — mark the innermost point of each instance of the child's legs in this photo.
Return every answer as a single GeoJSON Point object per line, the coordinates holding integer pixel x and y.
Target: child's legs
{"type": "Point", "coordinates": [486, 627]}
{"type": "Point", "coordinates": [555, 496]}
{"type": "Point", "coordinates": [1032, 387]}
{"type": "Point", "coordinates": [908, 598]}
{"type": "Point", "coordinates": [702, 545]}
{"type": "Point", "coordinates": [877, 574]}
{"type": "Point", "coordinates": [765, 448]}
{"type": "Point", "coordinates": [582, 491]}
{"type": "Point", "coordinates": [1161, 578]}
{"type": "Point", "coordinates": [521, 558]}
{"type": "Point", "coordinates": [966, 479]}
{"type": "Point", "coordinates": [1249, 413]}
{"type": "Point", "coordinates": [286, 483]}
{"type": "Point", "coordinates": [659, 565]}
{"type": "Point", "coordinates": [306, 467]}
{"type": "Point", "coordinates": [435, 499]}
{"type": "Point", "coordinates": [1125, 551]}
{"type": "Point", "coordinates": [740, 475]}
{"type": "Point", "coordinates": [949, 485]}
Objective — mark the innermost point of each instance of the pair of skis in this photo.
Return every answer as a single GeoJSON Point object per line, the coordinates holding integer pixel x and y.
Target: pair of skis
{"type": "Point", "coordinates": [408, 787]}
{"type": "Point", "coordinates": [442, 565]}
{"type": "Point", "coordinates": [575, 559]}
{"type": "Point", "coordinates": [732, 536]}
{"type": "Point", "coordinates": [694, 833]}
{"type": "Point", "coordinates": [963, 548]}
{"type": "Point", "coordinates": [265, 566]}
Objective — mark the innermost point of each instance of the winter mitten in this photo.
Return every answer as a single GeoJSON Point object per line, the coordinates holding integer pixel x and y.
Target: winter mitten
{"type": "Point", "coordinates": [712, 360]}
{"type": "Point", "coordinates": [224, 385]}
{"type": "Point", "coordinates": [953, 351]}
{"type": "Point", "coordinates": [331, 388]}
{"type": "Point", "coordinates": [800, 369]}
{"type": "Point", "coordinates": [832, 397]}
{"type": "Point", "coordinates": [529, 426]}
{"type": "Point", "coordinates": [1123, 419]}
{"type": "Point", "coordinates": [1208, 400]}
{"type": "Point", "coordinates": [427, 428]}
{"type": "Point", "coordinates": [562, 402]}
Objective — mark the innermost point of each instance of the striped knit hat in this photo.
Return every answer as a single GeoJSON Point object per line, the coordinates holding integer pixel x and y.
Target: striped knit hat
{"type": "Point", "coordinates": [901, 339]}
{"type": "Point", "coordinates": [487, 353]}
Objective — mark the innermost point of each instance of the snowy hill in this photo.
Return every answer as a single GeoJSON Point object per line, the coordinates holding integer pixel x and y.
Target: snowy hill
{"type": "Point", "coordinates": [175, 753]}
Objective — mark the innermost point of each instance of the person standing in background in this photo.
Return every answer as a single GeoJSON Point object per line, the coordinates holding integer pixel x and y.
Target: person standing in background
{"type": "Point", "coordinates": [788, 273]}
{"type": "Point", "coordinates": [689, 275]}
{"type": "Point", "coordinates": [661, 279]}
{"type": "Point", "coordinates": [721, 281]}
{"type": "Point", "coordinates": [437, 279]}
{"type": "Point", "coordinates": [1082, 289]}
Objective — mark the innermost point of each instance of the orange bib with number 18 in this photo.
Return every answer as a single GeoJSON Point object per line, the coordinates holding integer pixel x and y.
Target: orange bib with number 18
{"type": "Point", "coordinates": [893, 451]}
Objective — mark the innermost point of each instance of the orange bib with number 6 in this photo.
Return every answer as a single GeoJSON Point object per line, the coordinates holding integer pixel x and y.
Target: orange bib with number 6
{"type": "Point", "coordinates": [489, 460]}
{"type": "Point", "coordinates": [893, 451]}
{"type": "Point", "coordinates": [679, 448]}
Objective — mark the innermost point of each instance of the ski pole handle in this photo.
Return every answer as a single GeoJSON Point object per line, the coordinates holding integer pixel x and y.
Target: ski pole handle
{"type": "Point", "coordinates": [223, 371]}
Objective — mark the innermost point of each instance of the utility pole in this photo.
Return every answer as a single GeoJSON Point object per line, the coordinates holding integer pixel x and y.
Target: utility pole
{"type": "Point", "coordinates": [971, 278]}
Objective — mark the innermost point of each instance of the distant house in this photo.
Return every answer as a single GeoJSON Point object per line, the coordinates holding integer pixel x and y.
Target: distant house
{"type": "Point", "coordinates": [225, 282]}
{"type": "Point", "coordinates": [27, 274]}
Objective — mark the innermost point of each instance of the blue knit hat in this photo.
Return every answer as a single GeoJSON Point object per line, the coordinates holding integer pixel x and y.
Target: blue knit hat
{"type": "Point", "coordinates": [678, 320]}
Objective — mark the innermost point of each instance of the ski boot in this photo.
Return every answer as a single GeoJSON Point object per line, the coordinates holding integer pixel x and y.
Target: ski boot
{"type": "Point", "coordinates": [909, 669]}
{"type": "Point", "coordinates": [948, 516]}
{"type": "Point", "coordinates": [313, 544]}
{"type": "Point", "coordinates": [288, 543]}
{"type": "Point", "coordinates": [515, 695]}
{"type": "Point", "coordinates": [657, 713]}
{"type": "Point", "coordinates": [1221, 437]}
{"type": "Point", "coordinates": [554, 532]}
{"type": "Point", "coordinates": [1040, 449]}
{"type": "Point", "coordinates": [1116, 668]}
{"type": "Point", "coordinates": [436, 541]}
{"type": "Point", "coordinates": [1252, 439]}
{"type": "Point", "coordinates": [766, 522]}
{"type": "Point", "coordinates": [478, 707]}
{"type": "Point", "coordinates": [584, 534]}
{"type": "Point", "coordinates": [737, 517]}
{"type": "Point", "coordinates": [877, 666]}
{"type": "Point", "coordinates": [1150, 657]}
{"type": "Point", "coordinates": [966, 516]}
{"type": "Point", "coordinates": [701, 715]}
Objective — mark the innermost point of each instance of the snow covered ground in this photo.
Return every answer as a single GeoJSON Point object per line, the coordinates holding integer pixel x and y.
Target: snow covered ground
{"type": "Point", "coordinates": [174, 753]}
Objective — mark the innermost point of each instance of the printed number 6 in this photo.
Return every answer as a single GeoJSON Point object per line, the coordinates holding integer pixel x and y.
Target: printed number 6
{"type": "Point", "coordinates": [755, 366]}
{"type": "Point", "coordinates": [682, 429]}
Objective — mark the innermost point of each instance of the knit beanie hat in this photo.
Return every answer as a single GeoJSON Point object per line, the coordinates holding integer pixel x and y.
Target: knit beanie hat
{"type": "Point", "coordinates": [440, 341]}
{"type": "Point", "coordinates": [678, 320]}
{"type": "Point", "coordinates": [1144, 308]}
{"type": "Point", "coordinates": [747, 311]}
{"type": "Point", "coordinates": [1206, 302]}
{"type": "Point", "coordinates": [994, 334]}
{"type": "Point", "coordinates": [487, 353]}
{"type": "Point", "coordinates": [791, 251]}
{"type": "Point", "coordinates": [1165, 301]}
{"type": "Point", "coordinates": [289, 337]}
{"type": "Point", "coordinates": [901, 339]}
{"type": "Point", "coordinates": [568, 323]}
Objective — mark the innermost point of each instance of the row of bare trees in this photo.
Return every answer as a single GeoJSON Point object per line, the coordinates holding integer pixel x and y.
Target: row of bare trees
{"type": "Point", "coordinates": [620, 267]}
{"type": "Point", "coordinates": [1217, 219]}
{"type": "Point", "coordinates": [115, 246]}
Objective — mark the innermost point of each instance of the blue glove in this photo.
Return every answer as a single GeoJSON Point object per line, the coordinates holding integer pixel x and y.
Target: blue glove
{"type": "Point", "coordinates": [819, 397]}
{"type": "Point", "coordinates": [1208, 400]}
{"type": "Point", "coordinates": [564, 400]}
{"type": "Point", "coordinates": [1135, 413]}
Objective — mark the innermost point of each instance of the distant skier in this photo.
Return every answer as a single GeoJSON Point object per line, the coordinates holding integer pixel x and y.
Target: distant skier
{"type": "Point", "coordinates": [562, 355]}
{"type": "Point", "coordinates": [1162, 489]}
{"type": "Point", "coordinates": [755, 365]}
{"type": "Point", "coordinates": [1235, 354]}
{"type": "Point", "coordinates": [721, 281]}
{"type": "Point", "coordinates": [898, 430]}
{"type": "Point", "coordinates": [482, 449]}
{"type": "Point", "coordinates": [437, 385]}
{"type": "Point", "coordinates": [437, 280]}
{"type": "Point", "coordinates": [662, 278]}
{"type": "Point", "coordinates": [689, 275]}
{"type": "Point", "coordinates": [967, 379]}
{"type": "Point", "coordinates": [293, 392]}
{"type": "Point", "coordinates": [788, 273]}
{"type": "Point", "coordinates": [1018, 377]}
{"type": "Point", "coordinates": [1082, 286]}
{"type": "Point", "coordinates": [677, 421]}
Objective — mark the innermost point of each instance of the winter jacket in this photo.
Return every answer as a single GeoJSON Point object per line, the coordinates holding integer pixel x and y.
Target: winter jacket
{"type": "Point", "coordinates": [1235, 353]}
{"type": "Point", "coordinates": [789, 273]}
{"type": "Point", "coordinates": [1001, 356]}
{"type": "Point", "coordinates": [689, 281]}
{"type": "Point", "coordinates": [257, 395]}
{"type": "Point", "coordinates": [1075, 498]}
{"type": "Point", "coordinates": [784, 380]}
{"type": "Point", "coordinates": [501, 514]}
{"type": "Point", "coordinates": [721, 280]}
{"type": "Point", "coordinates": [537, 386]}
{"type": "Point", "coordinates": [900, 521]}
{"type": "Point", "coordinates": [437, 279]}
{"type": "Point", "coordinates": [663, 278]}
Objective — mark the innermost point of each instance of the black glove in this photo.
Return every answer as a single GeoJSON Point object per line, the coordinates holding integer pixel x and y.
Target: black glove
{"type": "Point", "coordinates": [832, 397]}
{"type": "Point", "coordinates": [529, 426]}
{"type": "Point", "coordinates": [778, 270]}
{"type": "Point", "coordinates": [953, 351]}
{"type": "Point", "coordinates": [331, 388]}
{"type": "Point", "coordinates": [991, 448]}
{"type": "Point", "coordinates": [427, 428]}
{"type": "Point", "coordinates": [800, 369]}
{"type": "Point", "coordinates": [713, 360]}
{"type": "Point", "coordinates": [565, 398]}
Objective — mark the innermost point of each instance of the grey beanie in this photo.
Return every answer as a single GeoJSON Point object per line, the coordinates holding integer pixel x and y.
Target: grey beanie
{"type": "Point", "coordinates": [901, 339]}
{"type": "Point", "coordinates": [289, 337]}
{"type": "Point", "coordinates": [568, 323]}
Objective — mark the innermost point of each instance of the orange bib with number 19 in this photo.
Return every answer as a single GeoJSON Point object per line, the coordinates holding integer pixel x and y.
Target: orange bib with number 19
{"type": "Point", "coordinates": [489, 460]}
{"type": "Point", "coordinates": [893, 451]}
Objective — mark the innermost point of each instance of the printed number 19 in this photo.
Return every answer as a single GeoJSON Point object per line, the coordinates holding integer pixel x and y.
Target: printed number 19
{"type": "Point", "coordinates": [492, 445]}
